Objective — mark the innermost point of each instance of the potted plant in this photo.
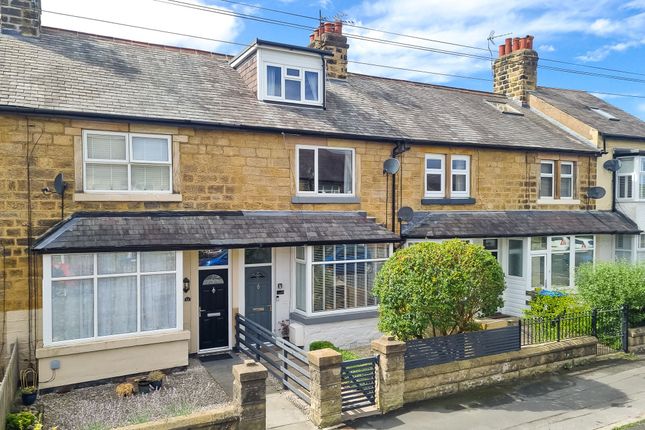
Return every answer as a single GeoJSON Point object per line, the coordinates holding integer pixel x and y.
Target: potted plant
{"type": "Point", "coordinates": [143, 386]}
{"type": "Point", "coordinates": [28, 395]}
{"type": "Point", "coordinates": [155, 378]}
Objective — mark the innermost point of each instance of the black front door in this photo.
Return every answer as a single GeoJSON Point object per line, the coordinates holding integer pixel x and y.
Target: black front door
{"type": "Point", "coordinates": [213, 309]}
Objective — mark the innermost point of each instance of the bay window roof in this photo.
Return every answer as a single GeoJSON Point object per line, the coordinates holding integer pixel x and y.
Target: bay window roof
{"type": "Point", "coordinates": [143, 231]}
{"type": "Point", "coordinates": [474, 224]}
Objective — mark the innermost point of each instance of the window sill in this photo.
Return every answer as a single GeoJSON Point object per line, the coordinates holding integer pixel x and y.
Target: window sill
{"type": "Point", "coordinates": [325, 199]}
{"type": "Point", "coordinates": [558, 202]}
{"type": "Point", "coordinates": [444, 201]}
{"type": "Point", "coordinates": [333, 317]}
{"type": "Point", "coordinates": [129, 197]}
{"type": "Point", "coordinates": [92, 345]}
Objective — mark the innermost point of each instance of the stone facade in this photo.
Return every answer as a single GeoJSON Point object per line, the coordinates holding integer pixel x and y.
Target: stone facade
{"type": "Point", "coordinates": [325, 387]}
{"type": "Point", "coordinates": [515, 73]}
{"type": "Point", "coordinates": [249, 394]}
{"type": "Point", "coordinates": [20, 17]}
{"type": "Point", "coordinates": [391, 373]}
{"type": "Point", "coordinates": [636, 340]}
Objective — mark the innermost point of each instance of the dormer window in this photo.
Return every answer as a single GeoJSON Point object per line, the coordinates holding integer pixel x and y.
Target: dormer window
{"type": "Point", "coordinates": [292, 84]}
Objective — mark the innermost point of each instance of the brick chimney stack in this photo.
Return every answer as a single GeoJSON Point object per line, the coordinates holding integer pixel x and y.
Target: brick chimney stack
{"type": "Point", "coordinates": [20, 17]}
{"type": "Point", "coordinates": [329, 37]}
{"type": "Point", "coordinates": [515, 71]}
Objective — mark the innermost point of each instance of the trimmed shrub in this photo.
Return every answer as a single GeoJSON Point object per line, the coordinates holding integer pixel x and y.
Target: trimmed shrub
{"type": "Point", "coordinates": [554, 306]}
{"type": "Point", "coordinates": [439, 287]}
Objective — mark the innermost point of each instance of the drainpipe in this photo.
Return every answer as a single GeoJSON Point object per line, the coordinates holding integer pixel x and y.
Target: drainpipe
{"type": "Point", "coordinates": [399, 148]}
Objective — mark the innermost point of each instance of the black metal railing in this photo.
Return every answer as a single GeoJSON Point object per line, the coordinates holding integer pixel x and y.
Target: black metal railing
{"type": "Point", "coordinates": [286, 361]}
{"type": "Point", "coordinates": [358, 383]}
{"type": "Point", "coordinates": [462, 346]}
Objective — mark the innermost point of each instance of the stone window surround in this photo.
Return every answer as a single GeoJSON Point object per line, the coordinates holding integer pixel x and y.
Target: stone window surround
{"type": "Point", "coordinates": [125, 196]}
{"type": "Point", "coordinates": [555, 198]}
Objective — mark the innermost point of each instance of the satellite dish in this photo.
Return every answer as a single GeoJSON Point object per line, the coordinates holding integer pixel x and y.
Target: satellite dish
{"type": "Point", "coordinates": [59, 184]}
{"type": "Point", "coordinates": [391, 166]}
{"type": "Point", "coordinates": [612, 165]}
{"type": "Point", "coordinates": [596, 192]}
{"type": "Point", "coordinates": [405, 213]}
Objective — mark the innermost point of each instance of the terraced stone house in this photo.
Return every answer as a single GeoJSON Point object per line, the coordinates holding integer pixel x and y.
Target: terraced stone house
{"type": "Point", "coordinates": [196, 186]}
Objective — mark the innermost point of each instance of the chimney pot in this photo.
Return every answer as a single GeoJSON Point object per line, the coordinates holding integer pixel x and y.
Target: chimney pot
{"type": "Point", "coordinates": [523, 43]}
{"type": "Point", "coordinates": [516, 44]}
{"type": "Point", "coordinates": [508, 45]}
{"type": "Point", "coordinates": [311, 38]}
{"type": "Point", "coordinates": [339, 27]}
{"type": "Point", "coordinates": [529, 41]}
{"type": "Point", "coordinates": [329, 27]}
{"type": "Point", "coordinates": [502, 50]}
{"type": "Point", "coordinates": [316, 33]}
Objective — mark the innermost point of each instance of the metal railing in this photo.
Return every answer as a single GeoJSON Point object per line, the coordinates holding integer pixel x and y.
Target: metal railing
{"type": "Point", "coordinates": [358, 383]}
{"type": "Point", "coordinates": [287, 362]}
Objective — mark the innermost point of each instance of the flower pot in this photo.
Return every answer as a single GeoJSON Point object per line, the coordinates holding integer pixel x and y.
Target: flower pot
{"type": "Point", "coordinates": [156, 385]}
{"type": "Point", "coordinates": [144, 386]}
{"type": "Point", "coordinates": [29, 399]}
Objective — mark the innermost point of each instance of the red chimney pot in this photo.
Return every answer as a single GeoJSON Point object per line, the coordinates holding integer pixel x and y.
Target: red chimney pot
{"type": "Point", "coordinates": [508, 45]}
{"type": "Point", "coordinates": [502, 50]}
{"type": "Point", "coordinates": [522, 42]}
{"type": "Point", "coordinates": [329, 27]}
{"type": "Point", "coordinates": [529, 41]}
{"type": "Point", "coordinates": [339, 27]}
{"type": "Point", "coordinates": [516, 44]}
{"type": "Point", "coordinates": [316, 33]}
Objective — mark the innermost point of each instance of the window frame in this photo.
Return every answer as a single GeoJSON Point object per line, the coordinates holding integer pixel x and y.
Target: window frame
{"type": "Point", "coordinates": [128, 162]}
{"type": "Point", "coordinates": [284, 78]}
{"type": "Point", "coordinates": [316, 192]}
{"type": "Point", "coordinates": [551, 175]}
{"type": "Point", "coordinates": [567, 176]}
{"type": "Point", "coordinates": [465, 172]}
{"type": "Point", "coordinates": [548, 253]}
{"type": "Point", "coordinates": [442, 172]}
{"type": "Point", "coordinates": [47, 310]}
{"type": "Point", "coordinates": [634, 175]}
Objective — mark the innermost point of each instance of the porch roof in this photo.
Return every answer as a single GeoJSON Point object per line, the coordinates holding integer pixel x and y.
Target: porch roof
{"type": "Point", "coordinates": [474, 224]}
{"type": "Point", "coordinates": [181, 230]}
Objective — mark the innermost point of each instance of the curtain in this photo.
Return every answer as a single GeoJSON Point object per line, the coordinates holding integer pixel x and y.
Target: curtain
{"type": "Point", "coordinates": [274, 81]}
{"type": "Point", "coordinates": [117, 305]}
{"type": "Point", "coordinates": [72, 265]}
{"type": "Point", "coordinates": [347, 189]}
{"type": "Point", "coordinates": [111, 263]}
{"type": "Point", "coordinates": [158, 302]}
{"type": "Point", "coordinates": [161, 261]}
{"type": "Point", "coordinates": [301, 286]}
{"type": "Point", "coordinates": [72, 309]}
{"type": "Point", "coordinates": [311, 86]}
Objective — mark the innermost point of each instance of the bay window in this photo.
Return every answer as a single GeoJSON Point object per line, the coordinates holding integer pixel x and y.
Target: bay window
{"type": "Point", "coordinates": [630, 179]}
{"type": "Point", "coordinates": [555, 258]}
{"type": "Point", "coordinates": [325, 170]}
{"type": "Point", "coordinates": [126, 162]}
{"type": "Point", "coordinates": [93, 296]}
{"type": "Point", "coordinates": [337, 277]}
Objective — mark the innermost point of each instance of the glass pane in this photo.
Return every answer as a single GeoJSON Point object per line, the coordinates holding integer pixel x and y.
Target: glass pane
{"type": "Point", "coordinates": [158, 302]}
{"type": "Point", "coordinates": [490, 244]}
{"type": "Point", "coordinates": [641, 192]}
{"type": "Point", "coordinates": [301, 286]}
{"type": "Point", "coordinates": [625, 185]}
{"type": "Point", "coordinates": [584, 243]}
{"type": "Point", "coordinates": [72, 309]}
{"type": "Point", "coordinates": [72, 265]}
{"type": "Point", "coordinates": [350, 285]}
{"type": "Point", "coordinates": [584, 257]}
{"type": "Point", "coordinates": [458, 164]}
{"type": "Point", "coordinates": [106, 177]}
{"type": "Point", "coordinates": [274, 81]}
{"type": "Point", "coordinates": [515, 257]}
{"type": "Point", "coordinates": [335, 175]}
{"type": "Point", "coordinates": [150, 178]}
{"type": "Point", "coordinates": [538, 243]}
{"type": "Point", "coordinates": [106, 147]}
{"type": "Point", "coordinates": [300, 252]}
{"type": "Point", "coordinates": [361, 283]}
{"type": "Point", "coordinates": [566, 187]}
{"type": "Point", "coordinates": [213, 257]}
{"type": "Point", "coordinates": [311, 86]}
{"type": "Point", "coordinates": [640, 256]}
{"type": "Point", "coordinates": [627, 165]}
{"type": "Point", "coordinates": [117, 305]}
{"type": "Point", "coordinates": [459, 183]}
{"type": "Point", "coordinates": [319, 253]}
{"type": "Point", "coordinates": [318, 283]}
{"type": "Point", "coordinates": [546, 187]}
{"type": "Point", "coordinates": [560, 270]}
{"type": "Point", "coordinates": [306, 174]}
{"type": "Point", "coordinates": [623, 256]}
{"type": "Point", "coordinates": [546, 168]}
{"type": "Point", "coordinates": [433, 182]}
{"type": "Point", "coordinates": [566, 169]}
{"type": "Point", "coordinates": [434, 163]}
{"type": "Point", "coordinates": [159, 261]}
{"type": "Point", "coordinates": [293, 72]}
{"type": "Point", "coordinates": [341, 286]}
{"type": "Point", "coordinates": [560, 243]}
{"type": "Point", "coordinates": [149, 148]}
{"type": "Point", "coordinates": [641, 241]}
{"type": "Point", "coordinates": [329, 296]}
{"type": "Point", "coordinates": [623, 241]}
{"type": "Point", "coordinates": [257, 256]}
{"type": "Point", "coordinates": [537, 271]}
{"type": "Point", "coordinates": [292, 90]}
{"type": "Point", "coordinates": [116, 262]}
{"type": "Point", "coordinates": [372, 270]}
{"type": "Point", "coordinates": [339, 253]}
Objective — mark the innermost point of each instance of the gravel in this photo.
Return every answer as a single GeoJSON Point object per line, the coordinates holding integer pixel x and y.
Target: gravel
{"type": "Point", "coordinates": [99, 408]}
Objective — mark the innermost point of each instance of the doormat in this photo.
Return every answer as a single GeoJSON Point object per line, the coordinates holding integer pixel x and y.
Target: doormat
{"type": "Point", "coordinates": [214, 357]}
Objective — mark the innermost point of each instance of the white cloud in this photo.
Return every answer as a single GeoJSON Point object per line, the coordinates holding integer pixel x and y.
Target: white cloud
{"type": "Point", "coordinates": [546, 48]}
{"type": "Point", "coordinates": [604, 51]}
{"type": "Point", "coordinates": [146, 13]}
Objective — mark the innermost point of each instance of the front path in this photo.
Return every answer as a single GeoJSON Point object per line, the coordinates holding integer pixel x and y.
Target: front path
{"type": "Point", "coordinates": [594, 397]}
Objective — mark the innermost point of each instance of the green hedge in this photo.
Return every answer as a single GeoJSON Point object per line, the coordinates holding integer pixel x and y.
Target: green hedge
{"type": "Point", "coordinates": [322, 344]}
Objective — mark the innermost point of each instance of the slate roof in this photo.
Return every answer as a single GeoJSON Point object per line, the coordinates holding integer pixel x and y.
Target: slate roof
{"type": "Point", "coordinates": [453, 224]}
{"type": "Point", "coordinates": [577, 104]}
{"type": "Point", "coordinates": [140, 231]}
{"type": "Point", "coordinates": [71, 72]}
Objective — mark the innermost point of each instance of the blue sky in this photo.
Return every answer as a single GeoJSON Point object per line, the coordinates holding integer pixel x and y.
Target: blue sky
{"type": "Point", "coordinates": [602, 33]}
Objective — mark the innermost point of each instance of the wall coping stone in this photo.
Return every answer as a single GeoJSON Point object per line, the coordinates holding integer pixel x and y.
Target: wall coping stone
{"type": "Point", "coordinates": [201, 419]}
{"type": "Point", "coordinates": [388, 345]}
{"type": "Point", "coordinates": [249, 371]}
{"type": "Point", "coordinates": [324, 357]}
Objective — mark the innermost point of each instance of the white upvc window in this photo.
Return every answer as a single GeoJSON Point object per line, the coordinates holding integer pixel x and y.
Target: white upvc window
{"type": "Point", "coordinates": [126, 162]}
{"type": "Point", "coordinates": [625, 178]}
{"type": "Point", "coordinates": [554, 259]}
{"type": "Point", "coordinates": [547, 184]}
{"type": "Point", "coordinates": [566, 179]}
{"type": "Point", "coordinates": [460, 176]}
{"type": "Point", "coordinates": [293, 84]}
{"type": "Point", "coordinates": [435, 179]}
{"type": "Point", "coordinates": [106, 295]}
{"type": "Point", "coordinates": [324, 170]}
{"type": "Point", "coordinates": [337, 278]}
